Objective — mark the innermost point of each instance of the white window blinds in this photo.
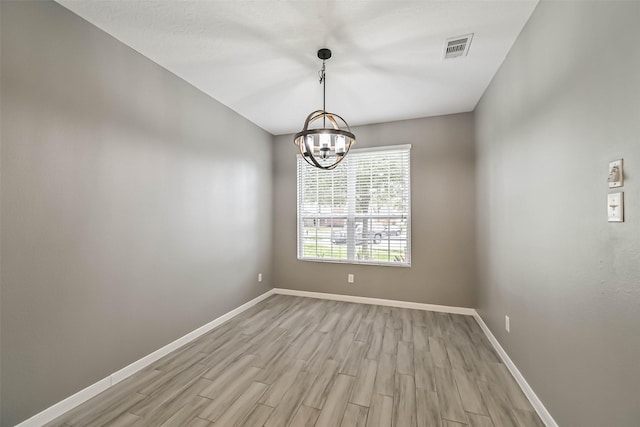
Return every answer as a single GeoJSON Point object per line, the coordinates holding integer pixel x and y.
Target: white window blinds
{"type": "Point", "coordinates": [360, 211]}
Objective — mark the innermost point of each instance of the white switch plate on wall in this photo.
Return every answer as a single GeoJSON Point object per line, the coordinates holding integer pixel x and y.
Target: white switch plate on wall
{"type": "Point", "coordinates": [615, 207]}
{"type": "Point", "coordinates": [616, 174]}
{"type": "Point", "coordinates": [507, 324]}
{"type": "Point", "coordinates": [350, 278]}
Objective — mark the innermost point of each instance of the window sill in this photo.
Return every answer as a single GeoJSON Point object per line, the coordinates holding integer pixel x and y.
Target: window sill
{"type": "Point", "coordinates": [337, 261]}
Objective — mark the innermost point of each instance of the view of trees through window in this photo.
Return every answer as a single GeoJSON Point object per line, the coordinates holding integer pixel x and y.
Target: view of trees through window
{"type": "Point", "coordinates": [358, 212]}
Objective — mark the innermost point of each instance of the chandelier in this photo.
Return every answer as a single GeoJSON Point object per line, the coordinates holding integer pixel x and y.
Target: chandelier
{"type": "Point", "coordinates": [324, 147]}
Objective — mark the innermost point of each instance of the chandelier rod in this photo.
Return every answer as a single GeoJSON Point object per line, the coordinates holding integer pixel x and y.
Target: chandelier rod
{"type": "Point", "coordinates": [323, 82]}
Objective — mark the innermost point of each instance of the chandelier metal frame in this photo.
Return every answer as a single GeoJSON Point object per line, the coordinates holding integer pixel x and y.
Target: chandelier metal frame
{"type": "Point", "coordinates": [326, 142]}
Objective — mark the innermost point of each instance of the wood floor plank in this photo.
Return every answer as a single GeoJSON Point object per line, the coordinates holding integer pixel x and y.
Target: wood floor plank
{"type": "Point", "coordinates": [455, 356]}
{"type": "Point", "coordinates": [187, 413]}
{"type": "Point", "coordinates": [395, 319]}
{"type": "Point", "coordinates": [107, 401]}
{"type": "Point", "coordinates": [336, 403]}
{"type": "Point", "coordinates": [371, 312]}
{"type": "Point", "coordinates": [170, 391]}
{"type": "Point", "coordinates": [317, 393]}
{"type": "Point", "coordinates": [432, 324]}
{"type": "Point", "coordinates": [355, 320]}
{"type": "Point", "coordinates": [405, 358]}
{"type": "Point", "coordinates": [424, 370]}
{"type": "Point", "coordinates": [380, 411]}
{"type": "Point", "coordinates": [168, 379]}
{"type": "Point", "coordinates": [305, 417]}
{"type": "Point", "coordinates": [127, 420]}
{"type": "Point", "coordinates": [469, 355]}
{"type": "Point", "coordinates": [469, 393]}
{"type": "Point", "coordinates": [114, 412]}
{"type": "Point", "coordinates": [511, 387]}
{"type": "Point", "coordinates": [283, 414]}
{"type": "Point", "coordinates": [241, 407]}
{"type": "Point", "coordinates": [199, 422]}
{"type": "Point", "coordinates": [273, 351]}
{"type": "Point", "coordinates": [340, 347]}
{"type": "Point", "coordinates": [309, 347]}
{"type": "Point", "coordinates": [261, 342]}
{"type": "Point", "coordinates": [390, 340]}
{"type": "Point", "coordinates": [376, 345]}
{"type": "Point", "coordinates": [219, 380]}
{"type": "Point", "coordinates": [219, 360]}
{"type": "Point", "coordinates": [385, 375]}
{"type": "Point", "coordinates": [365, 380]}
{"type": "Point", "coordinates": [295, 318]}
{"type": "Point", "coordinates": [170, 406]}
{"type": "Point", "coordinates": [245, 374]}
{"type": "Point", "coordinates": [420, 338]}
{"type": "Point", "coordinates": [277, 366]}
{"type": "Point", "coordinates": [485, 350]}
{"type": "Point", "coordinates": [328, 322]}
{"type": "Point", "coordinates": [407, 327]}
{"type": "Point", "coordinates": [278, 389]}
{"type": "Point", "coordinates": [439, 352]}
{"type": "Point", "coordinates": [222, 400]}
{"type": "Point", "coordinates": [427, 408]}
{"type": "Point", "coordinates": [404, 401]}
{"type": "Point", "coordinates": [185, 356]}
{"type": "Point", "coordinates": [476, 420]}
{"type": "Point", "coordinates": [446, 325]}
{"type": "Point", "coordinates": [354, 416]}
{"type": "Point", "coordinates": [527, 418]}
{"type": "Point", "coordinates": [377, 335]}
{"type": "Point", "coordinates": [258, 416]}
{"type": "Point", "coordinates": [356, 354]}
{"type": "Point", "coordinates": [363, 334]}
{"type": "Point", "coordinates": [316, 361]}
{"type": "Point", "coordinates": [448, 397]}
{"type": "Point", "coordinates": [302, 333]}
{"type": "Point", "coordinates": [486, 372]}
{"type": "Point", "coordinates": [498, 404]}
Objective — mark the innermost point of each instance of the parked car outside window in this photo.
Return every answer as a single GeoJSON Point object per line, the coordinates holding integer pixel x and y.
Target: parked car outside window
{"type": "Point", "coordinates": [339, 236]}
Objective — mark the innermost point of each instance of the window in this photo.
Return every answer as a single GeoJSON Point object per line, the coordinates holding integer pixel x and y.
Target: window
{"type": "Point", "coordinates": [360, 211]}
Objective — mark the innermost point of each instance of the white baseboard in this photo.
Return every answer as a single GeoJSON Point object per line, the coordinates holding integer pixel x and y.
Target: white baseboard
{"type": "Point", "coordinates": [544, 415]}
{"type": "Point", "coordinates": [377, 301]}
{"type": "Point", "coordinates": [82, 396]}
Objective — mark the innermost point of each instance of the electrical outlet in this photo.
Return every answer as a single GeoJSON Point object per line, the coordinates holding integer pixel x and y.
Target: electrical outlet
{"type": "Point", "coordinates": [259, 277]}
{"type": "Point", "coordinates": [350, 278]}
{"type": "Point", "coordinates": [507, 324]}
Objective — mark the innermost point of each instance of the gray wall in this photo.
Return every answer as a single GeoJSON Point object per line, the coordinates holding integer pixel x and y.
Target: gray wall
{"type": "Point", "coordinates": [134, 208]}
{"type": "Point", "coordinates": [442, 218]}
{"type": "Point", "coordinates": [565, 103]}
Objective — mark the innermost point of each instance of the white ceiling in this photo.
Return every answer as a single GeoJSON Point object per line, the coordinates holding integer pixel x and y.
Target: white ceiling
{"type": "Point", "coordinates": [259, 57]}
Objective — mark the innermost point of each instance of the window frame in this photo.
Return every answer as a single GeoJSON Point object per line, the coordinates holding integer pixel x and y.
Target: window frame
{"type": "Point", "coordinates": [355, 217]}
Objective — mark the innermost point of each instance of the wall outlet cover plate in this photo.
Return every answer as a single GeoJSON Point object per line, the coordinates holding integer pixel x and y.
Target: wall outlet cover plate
{"type": "Point", "coordinates": [615, 207]}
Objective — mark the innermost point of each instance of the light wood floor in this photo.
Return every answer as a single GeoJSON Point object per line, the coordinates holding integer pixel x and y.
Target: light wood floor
{"type": "Point", "coordinates": [292, 361]}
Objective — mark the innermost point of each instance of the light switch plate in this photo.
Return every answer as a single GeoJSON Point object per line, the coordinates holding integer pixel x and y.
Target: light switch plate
{"type": "Point", "coordinates": [616, 174]}
{"type": "Point", "coordinates": [615, 207]}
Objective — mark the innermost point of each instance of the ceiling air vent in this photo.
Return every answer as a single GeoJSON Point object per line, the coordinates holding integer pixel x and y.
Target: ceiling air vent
{"type": "Point", "coordinates": [457, 46]}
